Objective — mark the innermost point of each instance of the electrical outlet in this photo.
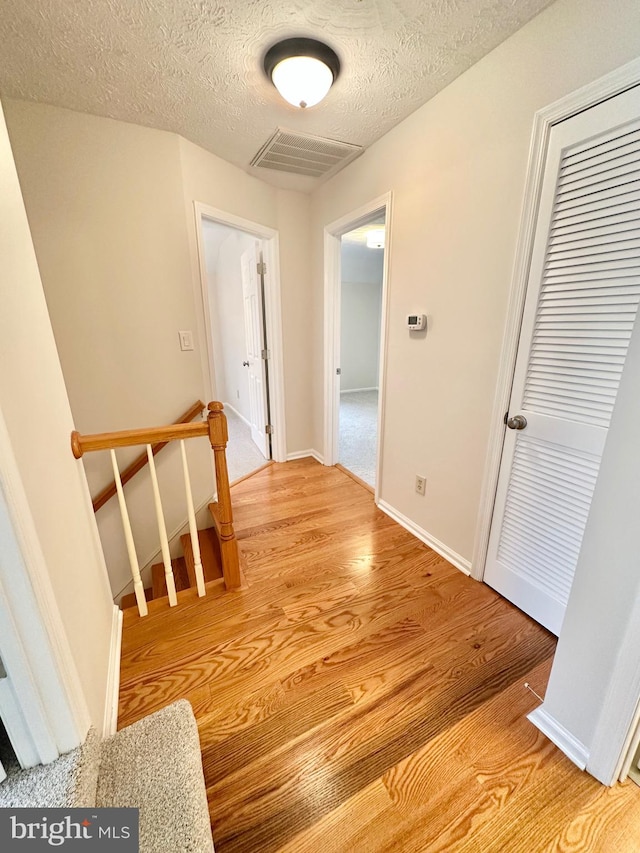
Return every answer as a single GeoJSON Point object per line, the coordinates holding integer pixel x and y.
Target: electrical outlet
{"type": "Point", "coordinates": [421, 484]}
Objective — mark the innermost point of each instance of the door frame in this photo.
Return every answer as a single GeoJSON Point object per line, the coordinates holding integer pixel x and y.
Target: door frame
{"type": "Point", "coordinates": [43, 704]}
{"type": "Point", "coordinates": [605, 760]}
{"type": "Point", "coordinates": [272, 319]}
{"type": "Point", "coordinates": [606, 87]}
{"type": "Point", "coordinates": [332, 282]}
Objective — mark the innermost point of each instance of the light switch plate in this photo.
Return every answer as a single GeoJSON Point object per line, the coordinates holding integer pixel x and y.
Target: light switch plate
{"type": "Point", "coordinates": [186, 341]}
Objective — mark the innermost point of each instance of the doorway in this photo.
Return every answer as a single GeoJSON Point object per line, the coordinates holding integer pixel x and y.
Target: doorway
{"type": "Point", "coordinates": [582, 298]}
{"type": "Point", "coordinates": [361, 273]}
{"type": "Point", "coordinates": [356, 263]}
{"type": "Point", "coordinates": [241, 316]}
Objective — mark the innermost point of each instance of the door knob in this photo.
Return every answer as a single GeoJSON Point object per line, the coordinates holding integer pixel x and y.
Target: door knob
{"type": "Point", "coordinates": [245, 364]}
{"type": "Point", "coordinates": [517, 422]}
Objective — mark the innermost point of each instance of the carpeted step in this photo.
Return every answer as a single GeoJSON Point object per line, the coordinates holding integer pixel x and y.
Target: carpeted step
{"type": "Point", "coordinates": [155, 765]}
{"type": "Point", "coordinates": [66, 783]}
{"type": "Point", "coordinates": [209, 554]}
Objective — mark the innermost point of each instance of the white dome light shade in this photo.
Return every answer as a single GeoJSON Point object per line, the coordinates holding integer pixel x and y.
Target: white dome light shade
{"type": "Point", "coordinates": [303, 81]}
{"type": "Point", "coordinates": [302, 70]}
{"type": "Point", "coordinates": [375, 239]}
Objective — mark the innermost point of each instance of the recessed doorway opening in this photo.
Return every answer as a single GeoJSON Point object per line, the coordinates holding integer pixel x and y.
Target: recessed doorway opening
{"type": "Point", "coordinates": [241, 306]}
{"type": "Point", "coordinates": [361, 275]}
{"type": "Point", "coordinates": [356, 262]}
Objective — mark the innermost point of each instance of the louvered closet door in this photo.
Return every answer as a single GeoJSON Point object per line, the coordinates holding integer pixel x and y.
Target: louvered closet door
{"type": "Point", "coordinates": [582, 298]}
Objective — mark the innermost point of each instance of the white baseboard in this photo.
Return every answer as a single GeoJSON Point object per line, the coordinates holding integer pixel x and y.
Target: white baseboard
{"type": "Point", "coordinates": [110, 724]}
{"type": "Point", "coordinates": [236, 412]}
{"type": "Point", "coordinates": [353, 390]}
{"type": "Point", "coordinates": [563, 739]}
{"type": "Point", "coordinates": [302, 454]}
{"type": "Point", "coordinates": [452, 556]}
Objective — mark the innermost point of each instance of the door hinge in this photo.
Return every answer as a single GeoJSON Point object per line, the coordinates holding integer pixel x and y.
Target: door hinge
{"type": "Point", "coordinates": [268, 429]}
{"type": "Point", "coordinates": [3, 671]}
{"type": "Point", "coordinates": [338, 371]}
{"type": "Point", "coordinates": [265, 354]}
{"type": "Point", "coordinates": [261, 267]}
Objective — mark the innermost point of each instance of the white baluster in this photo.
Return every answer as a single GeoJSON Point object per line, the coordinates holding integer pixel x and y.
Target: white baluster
{"type": "Point", "coordinates": [128, 535]}
{"type": "Point", "coordinates": [162, 530]}
{"type": "Point", "coordinates": [193, 530]}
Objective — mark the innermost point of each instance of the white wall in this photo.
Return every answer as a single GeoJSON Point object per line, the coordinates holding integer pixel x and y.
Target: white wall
{"type": "Point", "coordinates": [214, 182]}
{"type": "Point", "coordinates": [360, 311]}
{"type": "Point", "coordinates": [105, 206]}
{"type": "Point", "coordinates": [297, 317]}
{"type": "Point", "coordinates": [360, 264]}
{"type": "Point", "coordinates": [224, 248]}
{"type": "Point", "coordinates": [360, 306]}
{"type": "Point", "coordinates": [600, 630]}
{"type": "Point", "coordinates": [36, 411]}
{"type": "Point", "coordinates": [456, 168]}
{"type": "Point", "coordinates": [110, 206]}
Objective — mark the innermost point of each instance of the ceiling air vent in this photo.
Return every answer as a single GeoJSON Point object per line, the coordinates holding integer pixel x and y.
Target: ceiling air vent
{"type": "Point", "coordinates": [304, 154]}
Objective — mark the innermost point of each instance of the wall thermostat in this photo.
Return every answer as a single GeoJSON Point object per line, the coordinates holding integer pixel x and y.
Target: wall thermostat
{"type": "Point", "coordinates": [416, 322]}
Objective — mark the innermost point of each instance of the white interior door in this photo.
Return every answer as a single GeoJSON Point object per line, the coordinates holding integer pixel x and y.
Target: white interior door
{"type": "Point", "coordinates": [582, 299]}
{"type": "Point", "coordinates": [254, 333]}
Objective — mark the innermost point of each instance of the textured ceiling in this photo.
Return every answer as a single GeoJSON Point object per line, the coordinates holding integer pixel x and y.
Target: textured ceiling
{"type": "Point", "coordinates": [194, 66]}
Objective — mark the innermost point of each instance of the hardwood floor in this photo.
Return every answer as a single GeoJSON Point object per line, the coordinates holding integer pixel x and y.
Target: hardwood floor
{"type": "Point", "coordinates": [361, 694]}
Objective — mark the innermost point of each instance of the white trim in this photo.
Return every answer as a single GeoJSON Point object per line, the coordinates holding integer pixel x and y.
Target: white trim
{"type": "Point", "coordinates": [563, 739]}
{"type": "Point", "coordinates": [609, 86]}
{"type": "Point", "coordinates": [355, 390]}
{"type": "Point", "coordinates": [631, 747]}
{"type": "Point", "coordinates": [22, 708]}
{"type": "Point", "coordinates": [273, 318]}
{"type": "Point", "coordinates": [331, 343]}
{"type": "Point", "coordinates": [332, 234]}
{"type": "Point", "coordinates": [435, 544]}
{"type": "Point", "coordinates": [37, 624]}
{"type": "Point", "coordinates": [618, 718]}
{"type": "Point", "coordinates": [236, 412]}
{"type": "Point", "coordinates": [607, 753]}
{"type": "Point", "coordinates": [303, 454]}
{"type": "Point", "coordinates": [110, 725]}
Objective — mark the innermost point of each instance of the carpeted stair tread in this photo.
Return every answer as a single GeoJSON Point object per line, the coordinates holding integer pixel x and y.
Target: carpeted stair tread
{"type": "Point", "coordinates": [155, 765]}
{"type": "Point", "coordinates": [68, 782]}
{"type": "Point", "coordinates": [209, 554]}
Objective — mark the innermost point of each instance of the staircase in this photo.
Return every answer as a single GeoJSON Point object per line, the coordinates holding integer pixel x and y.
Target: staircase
{"type": "Point", "coordinates": [184, 571]}
{"type": "Point", "coordinates": [211, 555]}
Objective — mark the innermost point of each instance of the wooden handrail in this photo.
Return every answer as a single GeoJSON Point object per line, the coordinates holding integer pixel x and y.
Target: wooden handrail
{"type": "Point", "coordinates": [81, 444]}
{"type": "Point", "coordinates": [215, 427]}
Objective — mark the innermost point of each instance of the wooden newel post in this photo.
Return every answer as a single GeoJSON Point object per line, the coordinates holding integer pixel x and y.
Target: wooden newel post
{"type": "Point", "coordinates": [219, 436]}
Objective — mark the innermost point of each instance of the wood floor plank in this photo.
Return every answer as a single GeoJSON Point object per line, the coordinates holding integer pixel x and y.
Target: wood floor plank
{"type": "Point", "coordinates": [273, 647]}
{"type": "Point", "coordinates": [361, 694]}
{"type": "Point", "coordinates": [338, 831]}
{"type": "Point", "coordinates": [350, 753]}
{"type": "Point", "coordinates": [222, 758]}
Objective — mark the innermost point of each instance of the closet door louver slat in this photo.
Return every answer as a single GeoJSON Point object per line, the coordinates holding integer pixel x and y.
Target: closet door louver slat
{"type": "Point", "coordinates": [582, 322]}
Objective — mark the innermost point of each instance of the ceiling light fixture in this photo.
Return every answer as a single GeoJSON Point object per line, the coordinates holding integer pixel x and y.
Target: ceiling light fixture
{"type": "Point", "coordinates": [302, 70]}
{"type": "Point", "coordinates": [375, 239]}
